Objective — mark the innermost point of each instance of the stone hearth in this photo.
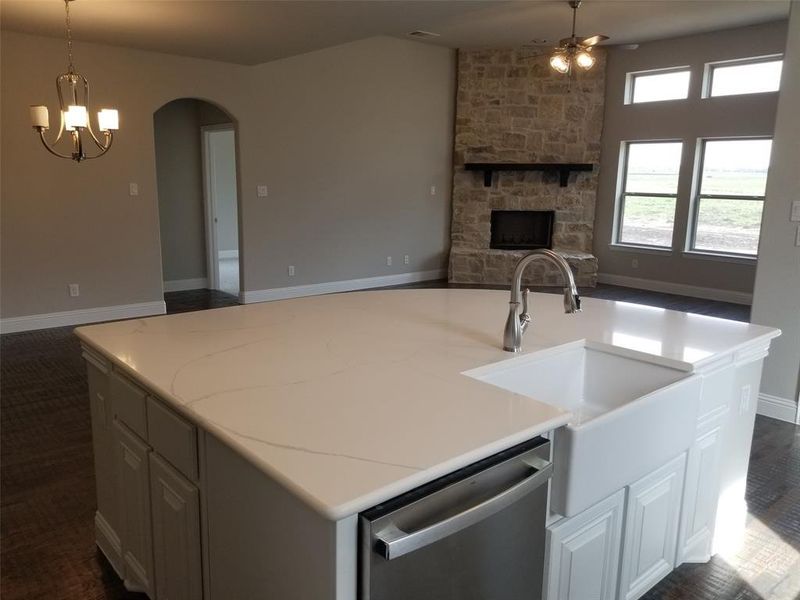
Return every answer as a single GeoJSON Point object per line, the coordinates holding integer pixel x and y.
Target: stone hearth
{"type": "Point", "coordinates": [497, 266]}
{"type": "Point", "coordinates": [510, 108]}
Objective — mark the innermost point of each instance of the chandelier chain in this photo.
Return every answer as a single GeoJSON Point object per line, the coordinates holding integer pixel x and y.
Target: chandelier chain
{"type": "Point", "coordinates": [71, 68]}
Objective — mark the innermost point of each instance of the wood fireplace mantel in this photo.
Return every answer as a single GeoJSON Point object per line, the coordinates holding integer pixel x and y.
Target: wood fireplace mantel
{"type": "Point", "coordinates": [563, 169]}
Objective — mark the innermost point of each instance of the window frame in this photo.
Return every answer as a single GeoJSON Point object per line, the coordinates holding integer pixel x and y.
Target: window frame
{"type": "Point", "coordinates": [622, 183]}
{"type": "Point", "coordinates": [697, 196]}
{"type": "Point", "coordinates": [708, 73]}
{"type": "Point", "coordinates": [630, 83]}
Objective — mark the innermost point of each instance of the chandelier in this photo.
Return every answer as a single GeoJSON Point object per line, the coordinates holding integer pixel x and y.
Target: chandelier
{"type": "Point", "coordinates": [73, 99]}
{"type": "Point", "coordinates": [574, 51]}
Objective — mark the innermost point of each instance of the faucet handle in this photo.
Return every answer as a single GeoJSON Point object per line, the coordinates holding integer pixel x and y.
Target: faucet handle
{"type": "Point", "coordinates": [525, 301]}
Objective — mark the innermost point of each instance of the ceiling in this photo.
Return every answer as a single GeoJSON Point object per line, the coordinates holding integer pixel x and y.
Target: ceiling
{"type": "Point", "coordinates": [252, 32]}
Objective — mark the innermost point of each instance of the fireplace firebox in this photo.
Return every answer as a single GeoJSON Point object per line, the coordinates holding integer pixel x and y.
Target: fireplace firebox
{"type": "Point", "coordinates": [522, 229]}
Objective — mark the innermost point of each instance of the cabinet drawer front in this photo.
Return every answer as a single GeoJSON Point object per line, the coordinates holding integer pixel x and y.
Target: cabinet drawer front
{"type": "Point", "coordinates": [176, 533]}
{"type": "Point", "coordinates": [173, 437]}
{"type": "Point", "coordinates": [128, 403]}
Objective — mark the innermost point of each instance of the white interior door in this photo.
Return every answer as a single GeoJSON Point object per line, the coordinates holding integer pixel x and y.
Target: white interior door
{"type": "Point", "coordinates": [222, 218]}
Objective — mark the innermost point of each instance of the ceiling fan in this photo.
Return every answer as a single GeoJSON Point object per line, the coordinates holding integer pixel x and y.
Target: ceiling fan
{"type": "Point", "coordinates": [574, 51]}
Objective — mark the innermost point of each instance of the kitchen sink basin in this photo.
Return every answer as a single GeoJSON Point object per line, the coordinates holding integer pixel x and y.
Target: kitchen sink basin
{"type": "Point", "coordinates": [632, 412]}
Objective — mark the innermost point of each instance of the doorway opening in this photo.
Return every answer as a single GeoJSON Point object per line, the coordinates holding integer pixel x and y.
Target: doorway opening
{"type": "Point", "coordinates": [222, 214]}
{"type": "Point", "coordinates": [197, 197]}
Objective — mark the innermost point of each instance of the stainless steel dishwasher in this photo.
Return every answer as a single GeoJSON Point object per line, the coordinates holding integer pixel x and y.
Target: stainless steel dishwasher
{"type": "Point", "coordinates": [477, 534]}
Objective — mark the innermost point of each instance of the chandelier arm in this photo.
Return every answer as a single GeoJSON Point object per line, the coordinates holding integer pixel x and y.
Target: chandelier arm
{"type": "Point", "coordinates": [87, 102]}
{"type": "Point", "coordinates": [97, 142]}
{"type": "Point", "coordinates": [104, 149]}
{"type": "Point", "coordinates": [50, 149]}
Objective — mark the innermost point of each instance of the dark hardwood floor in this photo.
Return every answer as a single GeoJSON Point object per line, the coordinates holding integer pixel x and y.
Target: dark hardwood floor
{"type": "Point", "coordinates": [47, 505]}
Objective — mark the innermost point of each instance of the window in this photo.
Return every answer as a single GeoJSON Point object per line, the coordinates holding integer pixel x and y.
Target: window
{"type": "Point", "coordinates": [652, 86]}
{"type": "Point", "coordinates": [749, 76]}
{"type": "Point", "coordinates": [649, 188]}
{"type": "Point", "coordinates": [732, 183]}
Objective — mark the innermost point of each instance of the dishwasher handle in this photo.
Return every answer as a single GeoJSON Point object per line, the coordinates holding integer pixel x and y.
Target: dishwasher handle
{"type": "Point", "coordinates": [392, 542]}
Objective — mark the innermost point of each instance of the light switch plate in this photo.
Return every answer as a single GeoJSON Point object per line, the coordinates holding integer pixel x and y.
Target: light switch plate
{"type": "Point", "coordinates": [263, 191]}
{"type": "Point", "coordinates": [133, 189]}
{"type": "Point", "coordinates": [795, 210]}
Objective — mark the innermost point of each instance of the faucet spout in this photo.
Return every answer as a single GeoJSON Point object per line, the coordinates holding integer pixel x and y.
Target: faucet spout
{"type": "Point", "coordinates": [518, 319]}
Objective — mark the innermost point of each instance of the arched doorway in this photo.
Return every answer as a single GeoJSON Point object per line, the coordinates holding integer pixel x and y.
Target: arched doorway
{"type": "Point", "coordinates": [195, 148]}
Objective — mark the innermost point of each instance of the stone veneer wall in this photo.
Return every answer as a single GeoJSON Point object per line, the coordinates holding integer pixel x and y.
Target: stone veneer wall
{"type": "Point", "coordinates": [515, 109]}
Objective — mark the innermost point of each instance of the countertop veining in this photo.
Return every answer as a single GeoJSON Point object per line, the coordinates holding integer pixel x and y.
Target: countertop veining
{"type": "Point", "coordinates": [350, 399]}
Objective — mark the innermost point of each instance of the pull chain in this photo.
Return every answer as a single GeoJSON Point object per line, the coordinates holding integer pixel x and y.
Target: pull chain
{"type": "Point", "coordinates": [71, 68]}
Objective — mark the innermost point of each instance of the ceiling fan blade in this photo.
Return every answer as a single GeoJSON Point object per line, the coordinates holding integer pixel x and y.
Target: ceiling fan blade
{"type": "Point", "coordinates": [593, 40]}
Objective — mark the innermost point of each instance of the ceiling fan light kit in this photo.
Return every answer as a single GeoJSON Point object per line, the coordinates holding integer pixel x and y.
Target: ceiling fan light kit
{"type": "Point", "coordinates": [73, 99]}
{"type": "Point", "coordinates": [574, 51]}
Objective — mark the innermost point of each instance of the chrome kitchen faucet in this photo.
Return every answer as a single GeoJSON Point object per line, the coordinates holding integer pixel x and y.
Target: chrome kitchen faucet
{"type": "Point", "coordinates": [517, 321]}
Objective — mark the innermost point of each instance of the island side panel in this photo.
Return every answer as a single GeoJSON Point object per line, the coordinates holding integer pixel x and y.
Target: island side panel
{"type": "Point", "coordinates": [263, 542]}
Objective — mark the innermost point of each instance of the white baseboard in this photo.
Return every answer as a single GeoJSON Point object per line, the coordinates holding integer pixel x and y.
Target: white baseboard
{"type": "Point", "coordinates": [680, 289]}
{"type": "Point", "coordinates": [228, 254]}
{"type": "Point", "coordinates": [331, 287]}
{"type": "Point", "coordinates": [79, 317]}
{"type": "Point", "coordinates": [779, 408]}
{"type": "Point", "coordinates": [181, 285]}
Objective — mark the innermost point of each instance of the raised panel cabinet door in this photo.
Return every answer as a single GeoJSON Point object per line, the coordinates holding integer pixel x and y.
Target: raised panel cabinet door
{"type": "Point", "coordinates": [133, 468]}
{"type": "Point", "coordinates": [651, 529]}
{"type": "Point", "coordinates": [107, 517]}
{"type": "Point", "coordinates": [176, 533]}
{"type": "Point", "coordinates": [583, 553]}
{"type": "Point", "coordinates": [701, 493]}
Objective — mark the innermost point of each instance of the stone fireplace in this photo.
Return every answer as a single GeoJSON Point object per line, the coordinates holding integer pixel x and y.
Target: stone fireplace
{"type": "Point", "coordinates": [513, 109]}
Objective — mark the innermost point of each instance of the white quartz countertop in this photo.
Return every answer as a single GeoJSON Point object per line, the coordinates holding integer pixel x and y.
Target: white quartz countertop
{"type": "Point", "coordinates": [351, 399]}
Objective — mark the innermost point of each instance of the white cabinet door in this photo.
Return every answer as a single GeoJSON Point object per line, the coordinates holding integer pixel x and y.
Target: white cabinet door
{"type": "Point", "coordinates": [107, 518]}
{"type": "Point", "coordinates": [583, 553]}
{"type": "Point", "coordinates": [134, 485]}
{"type": "Point", "coordinates": [651, 529]}
{"type": "Point", "coordinates": [176, 533]}
{"type": "Point", "coordinates": [701, 492]}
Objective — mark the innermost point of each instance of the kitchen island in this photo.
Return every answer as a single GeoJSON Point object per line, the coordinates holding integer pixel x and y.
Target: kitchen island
{"type": "Point", "coordinates": [235, 447]}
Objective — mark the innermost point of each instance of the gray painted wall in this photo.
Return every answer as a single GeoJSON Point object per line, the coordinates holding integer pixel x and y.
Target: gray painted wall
{"type": "Point", "coordinates": [687, 120]}
{"type": "Point", "coordinates": [179, 174]}
{"type": "Point", "coordinates": [349, 140]}
{"type": "Point", "coordinates": [777, 292]}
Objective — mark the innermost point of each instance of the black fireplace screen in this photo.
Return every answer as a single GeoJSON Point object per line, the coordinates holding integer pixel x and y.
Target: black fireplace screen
{"type": "Point", "coordinates": [522, 229]}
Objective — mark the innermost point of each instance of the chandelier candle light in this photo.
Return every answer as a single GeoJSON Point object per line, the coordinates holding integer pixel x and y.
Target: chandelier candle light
{"type": "Point", "coordinates": [73, 98]}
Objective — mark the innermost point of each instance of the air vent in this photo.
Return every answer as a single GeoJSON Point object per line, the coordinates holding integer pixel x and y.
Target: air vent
{"type": "Point", "coordinates": [423, 34]}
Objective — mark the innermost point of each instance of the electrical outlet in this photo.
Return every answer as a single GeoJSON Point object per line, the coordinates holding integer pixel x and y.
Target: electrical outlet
{"type": "Point", "coordinates": [133, 189]}
{"type": "Point", "coordinates": [388, 261]}
{"type": "Point", "coordinates": [74, 290]}
{"type": "Point", "coordinates": [744, 400]}
{"type": "Point", "coordinates": [406, 260]}
{"type": "Point", "coordinates": [290, 270]}
{"type": "Point", "coordinates": [262, 191]}
{"type": "Point", "coordinates": [433, 190]}
{"type": "Point", "coordinates": [635, 263]}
